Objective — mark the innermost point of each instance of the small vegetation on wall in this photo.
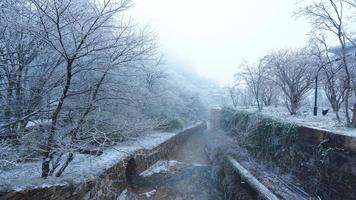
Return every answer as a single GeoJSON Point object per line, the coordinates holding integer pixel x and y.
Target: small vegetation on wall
{"type": "Point", "coordinates": [254, 132]}
{"type": "Point", "coordinates": [324, 171]}
{"type": "Point", "coordinates": [172, 125]}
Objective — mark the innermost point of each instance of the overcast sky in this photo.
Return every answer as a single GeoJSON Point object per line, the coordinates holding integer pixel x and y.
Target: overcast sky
{"type": "Point", "coordinates": [212, 37]}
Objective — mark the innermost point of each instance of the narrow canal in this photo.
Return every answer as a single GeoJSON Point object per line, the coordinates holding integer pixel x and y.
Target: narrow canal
{"type": "Point", "coordinates": [186, 176]}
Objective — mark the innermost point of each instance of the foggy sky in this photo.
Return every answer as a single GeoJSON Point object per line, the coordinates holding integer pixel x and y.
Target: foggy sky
{"type": "Point", "coordinates": [213, 37]}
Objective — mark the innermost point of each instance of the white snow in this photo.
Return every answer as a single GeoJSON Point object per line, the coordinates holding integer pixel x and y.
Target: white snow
{"type": "Point", "coordinates": [159, 167]}
{"type": "Point", "coordinates": [123, 196]}
{"type": "Point", "coordinates": [149, 194]}
{"type": "Point", "coordinates": [82, 168]}
{"type": "Point", "coordinates": [307, 119]}
{"type": "Point", "coordinates": [37, 122]}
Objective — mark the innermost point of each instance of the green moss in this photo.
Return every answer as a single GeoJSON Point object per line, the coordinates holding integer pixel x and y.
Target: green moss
{"type": "Point", "coordinates": [228, 117]}
{"type": "Point", "coordinates": [276, 143]}
{"type": "Point", "coordinates": [266, 138]}
{"type": "Point", "coordinates": [172, 125]}
{"type": "Point", "coordinates": [273, 141]}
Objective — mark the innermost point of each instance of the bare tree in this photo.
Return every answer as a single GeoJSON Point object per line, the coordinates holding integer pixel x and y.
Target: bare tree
{"type": "Point", "coordinates": [329, 16]}
{"type": "Point", "coordinates": [292, 71]}
{"type": "Point", "coordinates": [77, 76]}
{"type": "Point", "coordinates": [234, 95]}
{"type": "Point", "coordinates": [269, 94]}
{"type": "Point", "coordinates": [92, 45]}
{"type": "Point", "coordinates": [254, 77]}
{"type": "Point", "coordinates": [333, 79]}
{"type": "Point", "coordinates": [24, 65]}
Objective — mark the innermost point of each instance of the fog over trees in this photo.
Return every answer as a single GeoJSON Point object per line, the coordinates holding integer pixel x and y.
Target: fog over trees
{"type": "Point", "coordinates": [328, 59]}
{"type": "Point", "coordinates": [79, 75]}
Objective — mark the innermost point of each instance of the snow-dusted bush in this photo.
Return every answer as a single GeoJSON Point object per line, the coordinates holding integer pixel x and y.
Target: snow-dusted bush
{"type": "Point", "coordinates": [8, 155]}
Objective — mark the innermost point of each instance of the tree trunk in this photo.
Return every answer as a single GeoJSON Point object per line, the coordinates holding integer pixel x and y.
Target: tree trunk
{"type": "Point", "coordinates": [65, 165]}
{"type": "Point", "coordinates": [353, 122]}
{"type": "Point", "coordinates": [7, 109]}
{"type": "Point", "coordinates": [19, 102]}
{"type": "Point", "coordinates": [347, 115]}
{"type": "Point", "coordinates": [337, 115]}
{"type": "Point", "coordinates": [50, 141]}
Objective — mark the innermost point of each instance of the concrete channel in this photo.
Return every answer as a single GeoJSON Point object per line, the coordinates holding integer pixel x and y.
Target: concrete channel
{"type": "Point", "coordinates": [178, 168]}
{"type": "Point", "coordinates": [188, 175]}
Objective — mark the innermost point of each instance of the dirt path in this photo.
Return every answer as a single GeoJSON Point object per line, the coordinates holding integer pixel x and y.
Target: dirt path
{"type": "Point", "coordinates": [187, 176]}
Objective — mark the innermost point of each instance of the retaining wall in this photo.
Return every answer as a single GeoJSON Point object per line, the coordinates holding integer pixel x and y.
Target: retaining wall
{"type": "Point", "coordinates": [108, 184]}
{"type": "Point", "coordinates": [323, 161]}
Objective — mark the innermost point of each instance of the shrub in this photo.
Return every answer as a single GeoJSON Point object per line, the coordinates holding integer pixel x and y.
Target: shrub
{"type": "Point", "coordinates": [172, 125]}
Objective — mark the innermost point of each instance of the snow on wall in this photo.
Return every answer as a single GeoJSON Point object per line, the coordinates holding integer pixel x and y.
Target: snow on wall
{"type": "Point", "coordinates": [84, 172]}
{"type": "Point", "coordinates": [312, 129]}
{"type": "Point", "coordinates": [159, 167]}
{"type": "Point", "coordinates": [306, 118]}
{"type": "Point", "coordinates": [81, 168]}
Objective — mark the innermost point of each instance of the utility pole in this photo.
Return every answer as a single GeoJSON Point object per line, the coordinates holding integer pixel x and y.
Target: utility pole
{"type": "Point", "coordinates": [316, 85]}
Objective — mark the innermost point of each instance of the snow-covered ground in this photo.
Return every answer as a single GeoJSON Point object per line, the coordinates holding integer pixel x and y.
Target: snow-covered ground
{"type": "Point", "coordinates": [123, 195]}
{"type": "Point", "coordinates": [83, 167]}
{"type": "Point", "coordinates": [159, 167]}
{"type": "Point", "coordinates": [306, 118]}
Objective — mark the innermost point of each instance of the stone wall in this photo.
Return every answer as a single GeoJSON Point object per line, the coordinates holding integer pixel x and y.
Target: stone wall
{"type": "Point", "coordinates": [108, 184]}
{"type": "Point", "coordinates": [323, 161]}
{"type": "Point", "coordinates": [314, 136]}
{"type": "Point", "coordinates": [215, 117]}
